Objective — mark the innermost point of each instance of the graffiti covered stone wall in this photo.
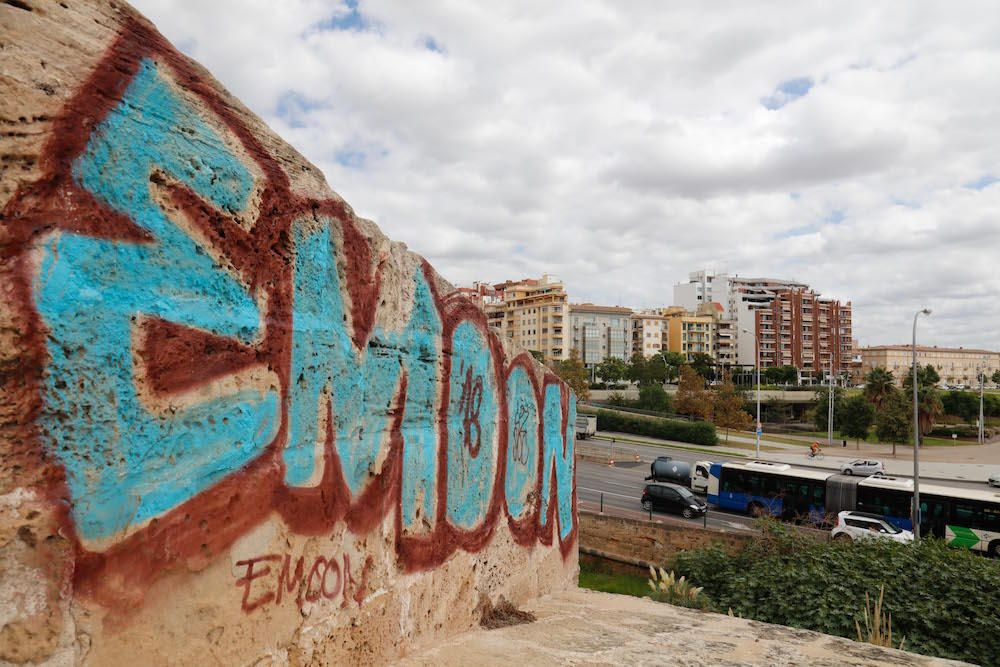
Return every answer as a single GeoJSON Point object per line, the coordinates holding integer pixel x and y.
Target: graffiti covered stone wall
{"type": "Point", "coordinates": [237, 421]}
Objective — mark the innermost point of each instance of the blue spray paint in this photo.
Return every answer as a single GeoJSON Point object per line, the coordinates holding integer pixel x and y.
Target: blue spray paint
{"type": "Point", "coordinates": [124, 463]}
{"type": "Point", "coordinates": [554, 456]}
{"type": "Point", "coordinates": [472, 437]}
{"type": "Point", "coordinates": [362, 385]}
{"type": "Point", "coordinates": [522, 442]}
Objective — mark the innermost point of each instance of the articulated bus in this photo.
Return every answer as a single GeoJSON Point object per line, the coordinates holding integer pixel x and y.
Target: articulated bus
{"type": "Point", "coordinates": [968, 518]}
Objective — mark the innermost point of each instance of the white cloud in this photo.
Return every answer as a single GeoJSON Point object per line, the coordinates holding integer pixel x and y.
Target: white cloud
{"type": "Point", "coordinates": [622, 145]}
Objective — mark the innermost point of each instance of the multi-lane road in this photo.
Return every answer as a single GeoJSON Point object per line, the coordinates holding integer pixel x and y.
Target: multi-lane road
{"type": "Point", "coordinates": [620, 486]}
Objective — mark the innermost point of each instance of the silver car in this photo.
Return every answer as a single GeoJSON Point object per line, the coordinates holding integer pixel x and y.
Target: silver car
{"type": "Point", "coordinates": [862, 467]}
{"type": "Point", "coordinates": [994, 480]}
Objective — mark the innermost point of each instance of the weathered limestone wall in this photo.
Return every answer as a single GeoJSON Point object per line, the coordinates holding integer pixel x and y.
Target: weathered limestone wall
{"type": "Point", "coordinates": [236, 421]}
{"type": "Point", "coordinates": [648, 542]}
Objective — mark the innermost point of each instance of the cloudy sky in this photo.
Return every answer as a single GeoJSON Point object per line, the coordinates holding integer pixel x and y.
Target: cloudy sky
{"type": "Point", "coordinates": [619, 146]}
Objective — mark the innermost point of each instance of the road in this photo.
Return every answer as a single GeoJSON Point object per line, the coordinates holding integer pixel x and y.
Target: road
{"type": "Point", "coordinates": [621, 485]}
{"type": "Point", "coordinates": [627, 450]}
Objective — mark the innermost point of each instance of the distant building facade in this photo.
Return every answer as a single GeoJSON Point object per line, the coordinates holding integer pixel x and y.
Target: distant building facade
{"type": "Point", "coordinates": [955, 365]}
{"type": "Point", "coordinates": [689, 333]}
{"type": "Point", "coordinates": [801, 329]}
{"type": "Point", "coordinates": [647, 333]}
{"type": "Point", "coordinates": [599, 332]}
{"type": "Point", "coordinates": [533, 314]}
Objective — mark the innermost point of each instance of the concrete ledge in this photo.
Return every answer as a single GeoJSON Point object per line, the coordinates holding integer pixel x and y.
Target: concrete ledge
{"type": "Point", "coordinates": [579, 627]}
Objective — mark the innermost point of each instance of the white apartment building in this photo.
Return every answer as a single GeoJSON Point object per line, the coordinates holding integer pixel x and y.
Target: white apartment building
{"type": "Point", "coordinates": [740, 298]}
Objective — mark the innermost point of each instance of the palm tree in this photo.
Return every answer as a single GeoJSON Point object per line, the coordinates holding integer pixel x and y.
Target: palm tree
{"type": "Point", "coordinates": [879, 383]}
{"type": "Point", "coordinates": [929, 408]}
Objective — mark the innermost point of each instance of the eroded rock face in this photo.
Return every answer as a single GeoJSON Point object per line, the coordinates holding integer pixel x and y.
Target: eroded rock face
{"type": "Point", "coordinates": [236, 419]}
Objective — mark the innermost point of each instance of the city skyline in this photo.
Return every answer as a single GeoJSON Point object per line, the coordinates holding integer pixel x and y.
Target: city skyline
{"type": "Point", "coordinates": [848, 147]}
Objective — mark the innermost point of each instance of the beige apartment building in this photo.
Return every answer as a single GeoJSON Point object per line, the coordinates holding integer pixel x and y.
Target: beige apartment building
{"type": "Point", "coordinates": [690, 333]}
{"type": "Point", "coordinates": [647, 333]}
{"type": "Point", "coordinates": [533, 314]}
{"type": "Point", "coordinates": [956, 366]}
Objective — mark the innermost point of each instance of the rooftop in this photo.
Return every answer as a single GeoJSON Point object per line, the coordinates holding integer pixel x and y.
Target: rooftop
{"type": "Point", "coordinates": [928, 348]}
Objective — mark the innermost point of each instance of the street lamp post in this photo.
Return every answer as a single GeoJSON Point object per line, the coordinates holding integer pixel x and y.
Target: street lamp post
{"type": "Point", "coordinates": [916, 432]}
{"type": "Point", "coordinates": [756, 350]}
{"type": "Point", "coordinates": [982, 381]}
{"type": "Point", "coordinates": [829, 406]}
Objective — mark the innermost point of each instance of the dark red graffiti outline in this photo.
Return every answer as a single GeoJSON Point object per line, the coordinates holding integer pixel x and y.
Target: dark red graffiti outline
{"type": "Point", "coordinates": [178, 358]}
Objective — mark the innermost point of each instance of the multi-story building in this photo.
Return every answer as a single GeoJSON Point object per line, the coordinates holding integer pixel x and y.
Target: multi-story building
{"type": "Point", "coordinates": [955, 365]}
{"type": "Point", "coordinates": [690, 333]}
{"type": "Point", "coordinates": [482, 294]}
{"type": "Point", "coordinates": [532, 314]}
{"type": "Point", "coordinates": [800, 329]}
{"type": "Point", "coordinates": [746, 302]}
{"type": "Point", "coordinates": [647, 333]}
{"type": "Point", "coordinates": [599, 332]}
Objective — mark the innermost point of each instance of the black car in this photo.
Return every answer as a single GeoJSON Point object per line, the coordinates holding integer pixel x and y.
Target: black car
{"type": "Point", "coordinates": [672, 498]}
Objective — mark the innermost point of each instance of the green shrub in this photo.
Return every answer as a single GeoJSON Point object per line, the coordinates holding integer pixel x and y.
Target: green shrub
{"type": "Point", "coordinates": [653, 398]}
{"type": "Point", "coordinates": [943, 600]}
{"type": "Point", "coordinates": [699, 433]}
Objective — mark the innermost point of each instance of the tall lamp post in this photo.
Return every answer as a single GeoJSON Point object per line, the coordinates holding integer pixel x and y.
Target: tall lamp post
{"type": "Point", "coordinates": [756, 351]}
{"type": "Point", "coordinates": [982, 381]}
{"type": "Point", "coordinates": [829, 406]}
{"type": "Point", "coordinates": [916, 432]}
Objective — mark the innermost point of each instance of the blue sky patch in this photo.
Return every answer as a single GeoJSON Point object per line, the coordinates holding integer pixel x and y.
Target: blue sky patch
{"type": "Point", "coordinates": [983, 182]}
{"type": "Point", "coordinates": [351, 20]}
{"type": "Point", "coordinates": [787, 91]}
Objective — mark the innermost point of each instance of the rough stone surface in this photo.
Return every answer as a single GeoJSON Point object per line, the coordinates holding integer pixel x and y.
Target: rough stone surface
{"type": "Point", "coordinates": [581, 627]}
{"type": "Point", "coordinates": [237, 423]}
{"type": "Point", "coordinates": [651, 542]}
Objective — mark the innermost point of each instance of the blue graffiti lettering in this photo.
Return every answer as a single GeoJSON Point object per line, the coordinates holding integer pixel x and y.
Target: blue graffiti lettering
{"type": "Point", "coordinates": [124, 463]}
{"type": "Point", "coordinates": [558, 453]}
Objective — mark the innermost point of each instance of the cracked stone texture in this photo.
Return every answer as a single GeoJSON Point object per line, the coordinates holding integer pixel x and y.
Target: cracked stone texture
{"type": "Point", "coordinates": [582, 627]}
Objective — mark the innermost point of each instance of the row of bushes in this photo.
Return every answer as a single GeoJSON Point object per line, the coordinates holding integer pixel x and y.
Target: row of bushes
{"type": "Point", "coordinates": [942, 600]}
{"type": "Point", "coordinates": [699, 433]}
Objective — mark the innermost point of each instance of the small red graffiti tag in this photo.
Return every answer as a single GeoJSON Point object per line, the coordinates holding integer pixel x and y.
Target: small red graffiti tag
{"type": "Point", "coordinates": [327, 578]}
{"type": "Point", "coordinates": [469, 404]}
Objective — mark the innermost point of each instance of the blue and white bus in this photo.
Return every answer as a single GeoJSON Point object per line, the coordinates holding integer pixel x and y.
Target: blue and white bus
{"type": "Point", "coordinates": [968, 518]}
{"type": "Point", "coordinates": [758, 487]}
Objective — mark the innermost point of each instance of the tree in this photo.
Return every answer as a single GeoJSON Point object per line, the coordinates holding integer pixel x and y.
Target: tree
{"type": "Point", "coordinates": [653, 397]}
{"type": "Point", "coordinates": [996, 377]}
{"type": "Point", "coordinates": [574, 373]}
{"type": "Point", "coordinates": [929, 406]}
{"type": "Point", "coordinates": [822, 412]}
{"type": "Point", "coordinates": [879, 383]}
{"type": "Point", "coordinates": [727, 407]}
{"type": "Point", "coordinates": [612, 370]}
{"type": "Point", "coordinates": [673, 362]}
{"type": "Point", "coordinates": [645, 372]}
{"type": "Point", "coordinates": [856, 417]}
{"type": "Point", "coordinates": [703, 364]}
{"type": "Point", "coordinates": [692, 398]}
{"type": "Point", "coordinates": [781, 374]}
{"type": "Point", "coordinates": [893, 423]}
{"type": "Point", "coordinates": [539, 357]}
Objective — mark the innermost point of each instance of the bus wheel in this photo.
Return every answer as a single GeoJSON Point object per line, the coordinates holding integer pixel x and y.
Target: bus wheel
{"type": "Point", "coordinates": [755, 509]}
{"type": "Point", "coordinates": [994, 549]}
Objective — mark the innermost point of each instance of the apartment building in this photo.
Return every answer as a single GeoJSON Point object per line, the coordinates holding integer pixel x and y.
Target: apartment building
{"type": "Point", "coordinates": [533, 314]}
{"type": "Point", "coordinates": [599, 332]}
{"type": "Point", "coordinates": [482, 294]}
{"type": "Point", "coordinates": [648, 328]}
{"type": "Point", "coordinates": [955, 365]}
{"type": "Point", "coordinates": [798, 328]}
{"type": "Point", "coordinates": [689, 333]}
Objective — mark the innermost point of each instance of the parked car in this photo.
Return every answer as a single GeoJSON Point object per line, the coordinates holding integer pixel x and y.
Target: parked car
{"type": "Point", "coordinates": [672, 498]}
{"type": "Point", "coordinates": [864, 526]}
{"type": "Point", "coordinates": [862, 467]}
{"type": "Point", "coordinates": [994, 480]}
